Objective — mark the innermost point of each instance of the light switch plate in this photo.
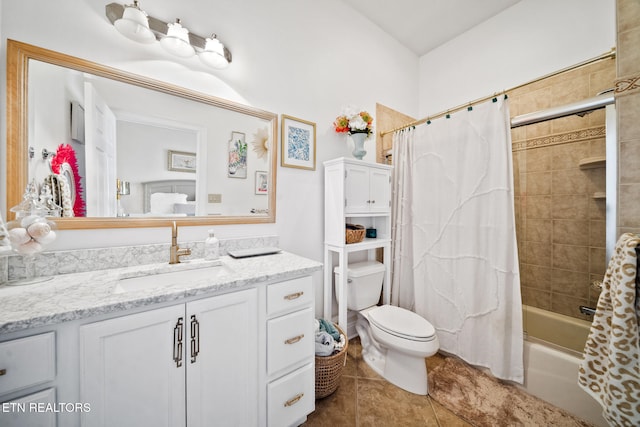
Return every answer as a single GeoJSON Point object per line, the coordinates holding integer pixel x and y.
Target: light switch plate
{"type": "Point", "coordinates": [215, 198]}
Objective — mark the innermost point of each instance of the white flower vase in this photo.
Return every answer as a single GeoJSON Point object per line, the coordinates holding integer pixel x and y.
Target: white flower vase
{"type": "Point", "coordinates": [358, 145]}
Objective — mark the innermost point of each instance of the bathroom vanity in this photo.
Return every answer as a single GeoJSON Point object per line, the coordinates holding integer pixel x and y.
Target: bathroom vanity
{"type": "Point", "coordinates": [191, 344]}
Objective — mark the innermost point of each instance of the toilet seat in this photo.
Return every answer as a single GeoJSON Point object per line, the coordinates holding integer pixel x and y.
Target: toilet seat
{"type": "Point", "coordinates": [402, 323]}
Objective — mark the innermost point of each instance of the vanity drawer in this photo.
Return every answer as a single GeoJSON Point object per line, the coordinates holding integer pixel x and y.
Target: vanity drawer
{"type": "Point", "coordinates": [27, 417]}
{"type": "Point", "coordinates": [290, 295]}
{"type": "Point", "coordinates": [291, 398]}
{"type": "Point", "coordinates": [26, 362]}
{"type": "Point", "coordinates": [290, 340]}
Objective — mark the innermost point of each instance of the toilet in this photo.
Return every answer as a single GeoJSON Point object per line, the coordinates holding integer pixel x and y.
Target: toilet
{"type": "Point", "coordinates": [395, 341]}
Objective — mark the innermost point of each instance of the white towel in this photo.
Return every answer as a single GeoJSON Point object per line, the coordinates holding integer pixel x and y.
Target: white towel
{"type": "Point", "coordinates": [610, 369]}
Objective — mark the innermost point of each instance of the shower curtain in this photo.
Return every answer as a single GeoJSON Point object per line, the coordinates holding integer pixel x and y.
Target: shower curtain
{"type": "Point", "coordinates": [455, 253]}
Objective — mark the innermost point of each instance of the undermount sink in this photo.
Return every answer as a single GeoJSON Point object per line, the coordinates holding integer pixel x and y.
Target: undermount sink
{"type": "Point", "coordinates": [170, 275]}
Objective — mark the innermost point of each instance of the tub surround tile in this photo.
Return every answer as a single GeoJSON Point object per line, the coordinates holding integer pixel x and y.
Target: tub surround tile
{"type": "Point", "coordinates": [570, 232]}
{"type": "Point", "coordinates": [535, 276]}
{"type": "Point", "coordinates": [566, 282]}
{"type": "Point", "coordinates": [75, 296]}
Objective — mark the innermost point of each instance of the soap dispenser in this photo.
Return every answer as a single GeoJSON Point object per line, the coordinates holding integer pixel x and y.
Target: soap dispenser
{"type": "Point", "coordinates": [211, 247]}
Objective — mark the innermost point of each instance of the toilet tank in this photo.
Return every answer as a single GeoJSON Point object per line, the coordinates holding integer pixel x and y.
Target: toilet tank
{"type": "Point", "coordinates": [364, 284]}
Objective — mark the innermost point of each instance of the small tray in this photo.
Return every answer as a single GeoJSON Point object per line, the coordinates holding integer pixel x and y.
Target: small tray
{"type": "Point", "coordinates": [243, 253]}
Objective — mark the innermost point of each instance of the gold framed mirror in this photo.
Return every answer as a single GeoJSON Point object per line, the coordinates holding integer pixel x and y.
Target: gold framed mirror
{"type": "Point", "coordinates": [210, 165]}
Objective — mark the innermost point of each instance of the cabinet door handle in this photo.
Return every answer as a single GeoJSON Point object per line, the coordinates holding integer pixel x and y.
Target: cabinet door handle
{"type": "Point", "coordinates": [293, 296]}
{"type": "Point", "coordinates": [3, 372]}
{"type": "Point", "coordinates": [293, 400]}
{"type": "Point", "coordinates": [177, 342]}
{"type": "Point", "coordinates": [195, 338]}
{"type": "Point", "coordinates": [294, 339]}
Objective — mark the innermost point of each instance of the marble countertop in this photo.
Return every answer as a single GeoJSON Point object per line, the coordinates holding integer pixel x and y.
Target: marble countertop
{"type": "Point", "coordinates": [75, 296]}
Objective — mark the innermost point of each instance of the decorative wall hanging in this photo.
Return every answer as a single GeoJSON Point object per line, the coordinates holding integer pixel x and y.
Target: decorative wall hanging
{"type": "Point", "coordinates": [298, 143]}
{"type": "Point", "coordinates": [237, 156]}
{"type": "Point", "coordinates": [65, 164]}
{"type": "Point", "coordinates": [261, 143]}
{"type": "Point", "coordinates": [182, 161]}
{"type": "Point", "coordinates": [262, 182]}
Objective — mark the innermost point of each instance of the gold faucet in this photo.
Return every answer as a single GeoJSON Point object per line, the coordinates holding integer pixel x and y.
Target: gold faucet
{"type": "Point", "coordinates": [175, 252]}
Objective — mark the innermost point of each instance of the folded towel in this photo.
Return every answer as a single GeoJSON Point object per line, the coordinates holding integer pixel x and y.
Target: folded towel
{"type": "Point", "coordinates": [324, 344]}
{"type": "Point", "coordinates": [328, 327]}
{"type": "Point", "coordinates": [339, 345]}
{"type": "Point", "coordinates": [316, 325]}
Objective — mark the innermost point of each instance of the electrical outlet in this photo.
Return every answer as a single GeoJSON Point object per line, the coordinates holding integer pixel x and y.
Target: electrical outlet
{"type": "Point", "coordinates": [215, 198]}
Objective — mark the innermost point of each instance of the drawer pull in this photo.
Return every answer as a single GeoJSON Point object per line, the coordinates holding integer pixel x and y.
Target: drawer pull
{"type": "Point", "coordinates": [293, 296]}
{"type": "Point", "coordinates": [294, 339]}
{"type": "Point", "coordinates": [3, 372]}
{"type": "Point", "coordinates": [293, 400]}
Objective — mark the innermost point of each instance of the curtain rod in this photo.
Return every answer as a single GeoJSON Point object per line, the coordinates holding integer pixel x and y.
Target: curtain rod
{"type": "Point", "coordinates": [608, 55]}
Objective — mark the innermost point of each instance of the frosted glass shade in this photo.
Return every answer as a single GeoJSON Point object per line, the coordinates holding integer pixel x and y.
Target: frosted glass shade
{"type": "Point", "coordinates": [177, 41]}
{"type": "Point", "coordinates": [134, 25]}
{"type": "Point", "coordinates": [213, 54]}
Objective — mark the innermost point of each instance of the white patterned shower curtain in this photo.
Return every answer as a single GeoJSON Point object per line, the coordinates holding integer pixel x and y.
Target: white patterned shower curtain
{"type": "Point", "coordinates": [454, 241]}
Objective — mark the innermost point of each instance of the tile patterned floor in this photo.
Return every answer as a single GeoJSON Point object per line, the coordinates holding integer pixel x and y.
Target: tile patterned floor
{"type": "Point", "coordinates": [366, 399]}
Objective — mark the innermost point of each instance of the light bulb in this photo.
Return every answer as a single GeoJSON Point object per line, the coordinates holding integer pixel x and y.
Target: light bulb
{"type": "Point", "coordinates": [134, 24]}
{"type": "Point", "coordinates": [177, 40]}
{"type": "Point", "coordinates": [213, 53]}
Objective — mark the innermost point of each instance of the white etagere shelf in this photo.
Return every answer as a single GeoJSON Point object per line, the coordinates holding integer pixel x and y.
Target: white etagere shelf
{"type": "Point", "coordinates": [356, 192]}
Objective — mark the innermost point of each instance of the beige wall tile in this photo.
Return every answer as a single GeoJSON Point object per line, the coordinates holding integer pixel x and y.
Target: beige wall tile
{"type": "Point", "coordinates": [629, 213]}
{"type": "Point", "coordinates": [602, 80]}
{"type": "Point", "coordinates": [596, 180]}
{"type": "Point", "coordinates": [597, 147]}
{"type": "Point", "coordinates": [538, 183]}
{"type": "Point", "coordinates": [628, 52]}
{"type": "Point", "coordinates": [597, 209]}
{"type": "Point", "coordinates": [569, 257]}
{"type": "Point", "coordinates": [536, 298]}
{"type": "Point", "coordinates": [573, 88]}
{"type": "Point", "coordinates": [536, 276]}
{"type": "Point", "coordinates": [571, 232]}
{"type": "Point", "coordinates": [537, 159]}
{"type": "Point", "coordinates": [538, 254]}
{"type": "Point", "coordinates": [569, 306]}
{"type": "Point", "coordinates": [630, 161]}
{"type": "Point", "coordinates": [628, 121]}
{"type": "Point", "coordinates": [597, 260]}
{"type": "Point", "coordinates": [569, 181]}
{"type": "Point", "coordinates": [569, 207]}
{"type": "Point", "coordinates": [537, 207]}
{"type": "Point", "coordinates": [570, 123]}
{"type": "Point", "coordinates": [628, 14]}
{"type": "Point", "coordinates": [567, 282]}
{"type": "Point", "coordinates": [568, 156]}
{"type": "Point", "coordinates": [538, 230]}
{"type": "Point", "coordinates": [597, 233]}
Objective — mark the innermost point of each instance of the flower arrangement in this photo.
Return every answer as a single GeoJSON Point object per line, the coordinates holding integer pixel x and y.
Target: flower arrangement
{"type": "Point", "coordinates": [354, 121]}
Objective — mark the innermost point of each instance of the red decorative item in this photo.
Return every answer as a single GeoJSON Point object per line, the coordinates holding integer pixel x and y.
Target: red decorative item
{"type": "Point", "coordinates": [66, 154]}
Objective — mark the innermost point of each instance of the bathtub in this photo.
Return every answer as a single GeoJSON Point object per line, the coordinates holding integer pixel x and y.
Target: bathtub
{"type": "Point", "coordinates": [551, 369]}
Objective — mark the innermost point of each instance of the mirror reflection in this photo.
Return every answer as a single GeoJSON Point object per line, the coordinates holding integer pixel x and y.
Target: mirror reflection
{"type": "Point", "coordinates": [111, 150]}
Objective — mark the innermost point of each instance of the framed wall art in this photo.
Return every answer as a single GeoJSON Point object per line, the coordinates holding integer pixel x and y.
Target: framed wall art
{"type": "Point", "coordinates": [237, 167]}
{"type": "Point", "coordinates": [182, 161]}
{"type": "Point", "coordinates": [262, 182]}
{"type": "Point", "coordinates": [298, 143]}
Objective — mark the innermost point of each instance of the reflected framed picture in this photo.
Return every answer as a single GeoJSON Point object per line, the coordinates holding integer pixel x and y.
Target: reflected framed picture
{"type": "Point", "coordinates": [237, 167]}
{"type": "Point", "coordinates": [182, 161]}
{"type": "Point", "coordinates": [262, 182]}
{"type": "Point", "coordinates": [298, 143]}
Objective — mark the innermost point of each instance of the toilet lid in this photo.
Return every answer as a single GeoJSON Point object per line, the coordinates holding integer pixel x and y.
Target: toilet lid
{"type": "Point", "coordinates": [403, 323]}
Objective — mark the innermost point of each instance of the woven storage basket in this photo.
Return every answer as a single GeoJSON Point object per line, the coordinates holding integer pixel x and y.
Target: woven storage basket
{"type": "Point", "coordinates": [354, 233]}
{"type": "Point", "coordinates": [329, 370]}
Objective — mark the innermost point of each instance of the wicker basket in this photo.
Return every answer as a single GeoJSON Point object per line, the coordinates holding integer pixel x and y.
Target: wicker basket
{"type": "Point", "coordinates": [329, 370]}
{"type": "Point", "coordinates": [354, 233]}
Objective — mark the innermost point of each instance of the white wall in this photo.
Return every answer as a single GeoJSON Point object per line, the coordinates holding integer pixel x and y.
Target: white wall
{"type": "Point", "coordinates": [305, 59]}
{"type": "Point", "coordinates": [530, 39]}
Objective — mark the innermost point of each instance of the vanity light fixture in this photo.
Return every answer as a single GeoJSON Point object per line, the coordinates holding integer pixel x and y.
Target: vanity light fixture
{"type": "Point", "coordinates": [135, 24]}
{"type": "Point", "coordinates": [213, 53]}
{"type": "Point", "coordinates": [176, 41]}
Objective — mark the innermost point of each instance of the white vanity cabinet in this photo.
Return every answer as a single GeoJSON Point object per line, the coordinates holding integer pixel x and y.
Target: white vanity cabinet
{"type": "Point", "coordinates": [26, 363]}
{"type": "Point", "coordinates": [356, 192]}
{"type": "Point", "coordinates": [190, 364]}
{"type": "Point", "coordinates": [290, 352]}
